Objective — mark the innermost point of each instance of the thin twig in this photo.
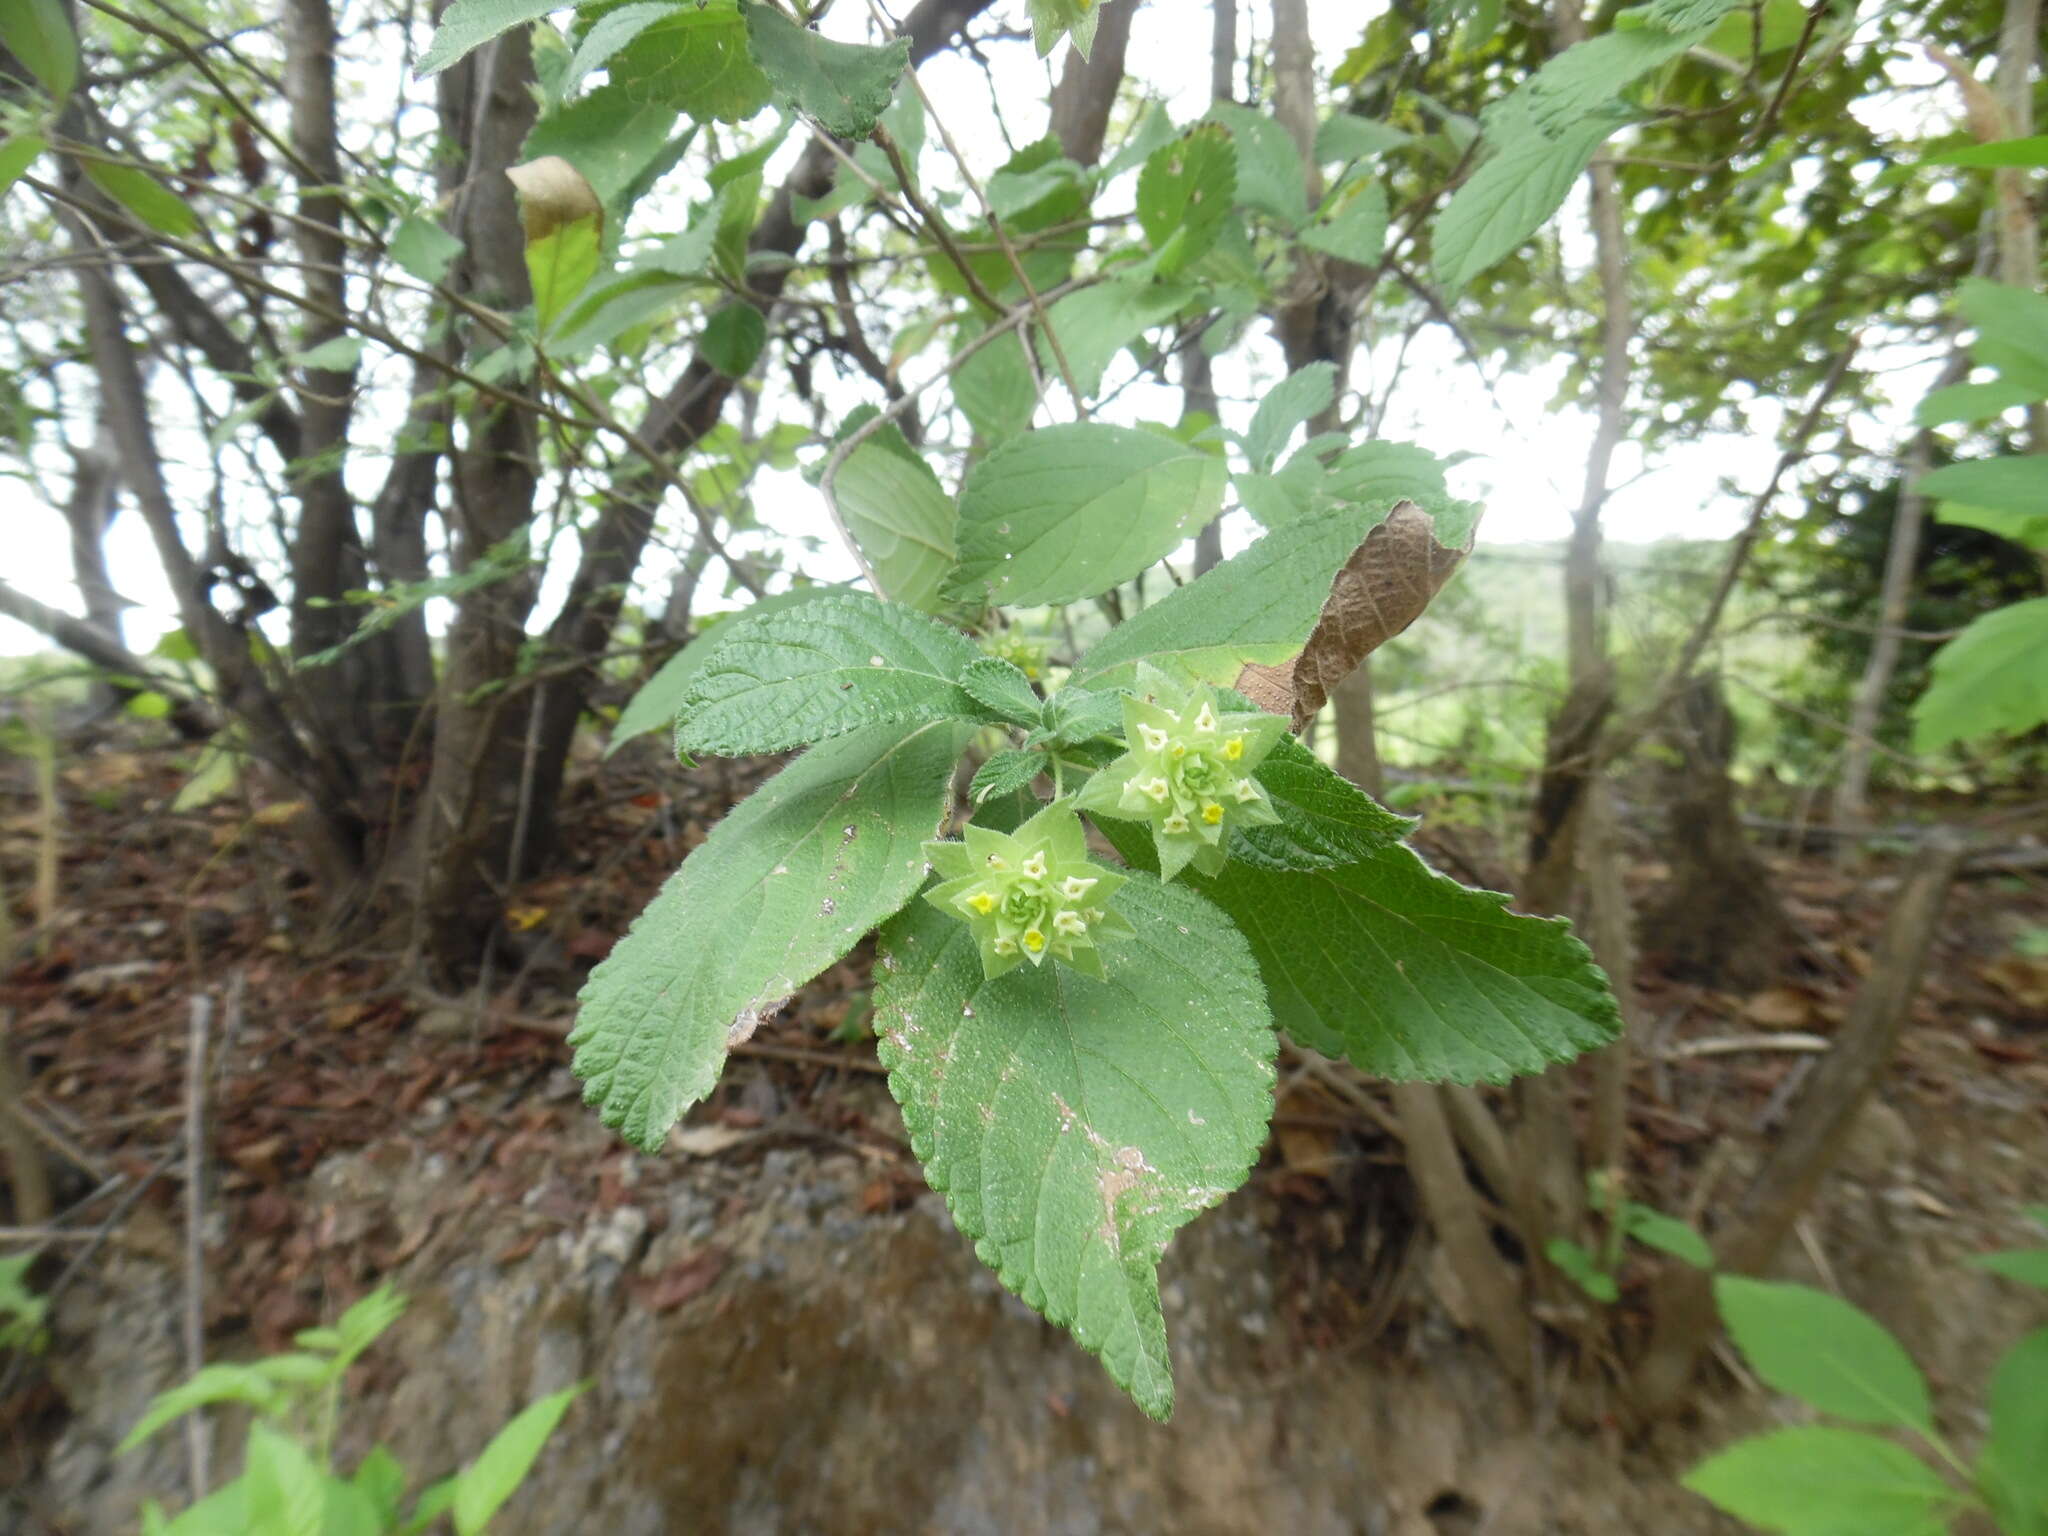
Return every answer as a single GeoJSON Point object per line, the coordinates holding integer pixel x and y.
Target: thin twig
{"type": "Point", "coordinates": [195, 1236]}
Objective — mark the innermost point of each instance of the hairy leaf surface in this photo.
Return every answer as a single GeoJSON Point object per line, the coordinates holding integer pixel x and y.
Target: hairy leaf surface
{"type": "Point", "coordinates": [831, 666]}
{"type": "Point", "coordinates": [1074, 1125]}
{"type": "Point", "coordinates": [1069, 511]}
{"type": "Point", "coordinates": [1407, 973]}
{"type": "Point", "coordinates": [781, 888]}
{"type": "Point", "coordinates": [845, 86]}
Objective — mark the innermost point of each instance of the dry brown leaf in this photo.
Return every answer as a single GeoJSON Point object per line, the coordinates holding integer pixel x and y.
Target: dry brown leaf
{"type": "Point", "coordinates": [2023, 978]}
{"type": "Point", "coordinates": [1382, 589]}
{"type": "Point", "coordinates": [552, 192]}
{"type": "Point", "coordinates": [1780, 1008]}
{"type": "Point", "coordinates": [1985, 112]}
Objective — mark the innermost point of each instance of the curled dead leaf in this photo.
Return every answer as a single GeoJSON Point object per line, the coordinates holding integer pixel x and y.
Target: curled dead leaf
{"type": "Point", "coordinates": [552, 193]}
{"type": "Point", "coordinates": [1382, 589]}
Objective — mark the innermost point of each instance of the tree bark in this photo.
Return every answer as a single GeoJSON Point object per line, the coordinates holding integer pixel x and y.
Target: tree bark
{"type": "Point", "coordinates": [1086, 94]}
{"type": "Point", "coordinates": [474, 784]}
{"type": "Point", "coordinates": [88, 512]}
{"type": "Point", "coordinates": [1901, 563]}
{"type": "Point", "coordinates": [2019, 218]}
{"type": "Point", "coordinates": [1198, 383]}
{"type": "Point", "coordinates": [672, 425]}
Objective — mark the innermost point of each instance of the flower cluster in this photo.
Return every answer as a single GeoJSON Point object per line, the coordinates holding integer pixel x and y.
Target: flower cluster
{"type": "Point", "coordinates": [1030, 893]}
{"type": "Point", "coordinates": [1187, 771]}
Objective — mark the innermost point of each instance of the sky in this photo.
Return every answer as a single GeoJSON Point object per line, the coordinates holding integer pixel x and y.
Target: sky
{"type": "Point", "coordinates": [1527, 457]}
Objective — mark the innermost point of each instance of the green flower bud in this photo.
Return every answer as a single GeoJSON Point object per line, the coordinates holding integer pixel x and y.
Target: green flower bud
{"type": "Point", "coordinates": [1187, 771]}
{"type": "Point", "coordinates": [1029, 894]}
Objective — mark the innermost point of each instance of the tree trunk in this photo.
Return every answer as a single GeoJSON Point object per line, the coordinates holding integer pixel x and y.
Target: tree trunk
{"type": "Point", "coordinates": [2019, 216]}
{"type": "Point", "coordinates": [1895, 596]}
{"type": "Point", "coordinates": [1720, 921]}
{"type": "Point", "coordinates": [473, 807]}
{"type": "Point", "coordinates": [1086, 94]}
{"type": "Point", "coordinates": [1198, 384]}
{"type": "Point", "coordinates": [88, 512]}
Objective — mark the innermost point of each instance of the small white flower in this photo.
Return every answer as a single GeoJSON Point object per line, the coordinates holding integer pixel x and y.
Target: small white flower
{"type": "Point", "coordinates": [1175, 823]}
{"type": "Point", "coordinates": [1074, 887]}
{"type": "Point", "coordinates": [1206, 719]}
{"type": "Point", "coordinates": [1069, 923]}
{"type": "Point", "coordinates": [1153, 737]}
{"type": "Point", "coordinates": [1246, 791]}
{"type": "Point", "coordinates": [1034, 867]}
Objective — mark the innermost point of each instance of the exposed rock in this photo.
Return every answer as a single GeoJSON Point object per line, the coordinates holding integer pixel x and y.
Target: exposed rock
{"type": "Point", "coordinates": [829, 1371]}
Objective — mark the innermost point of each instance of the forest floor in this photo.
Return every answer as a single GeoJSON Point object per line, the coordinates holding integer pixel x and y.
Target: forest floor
{"type": "Point", "coordinates": [315, 1054]}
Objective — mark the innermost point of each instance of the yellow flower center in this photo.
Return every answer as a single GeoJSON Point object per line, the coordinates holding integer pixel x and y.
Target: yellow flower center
{"type": "Point", "coordinates": [1033, 940]}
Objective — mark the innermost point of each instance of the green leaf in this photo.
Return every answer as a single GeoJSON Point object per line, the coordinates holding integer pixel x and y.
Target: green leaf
{"type": "Point", "coordinates": [899, 515]}
{"type": "Point", "coordinates": [435, 1501]}
{"type": "Point", "coordinates": [1583, 81]}
{"type": "Point", "coordinates": [364, 1323]}
{"type": "Point", "coordinates": [1270, 176]}
{"type": "Point", "coordinates": [616, 313]}
{"type": "Point", "coordinates": [996, 391]}
{"type": "Point", "coordinates": [502, 1465]}
{"type": "Point", "coordinates": [1069, 511]}
{"type": "Point", "coordinates": [1079, 716]}
{"type": "Point", "coordinates": [695, 59]}
{"type": "Point", "coordinates": [1325, 819]}
{"type": "Point", "coordinates": [144, 196]}
{"type": "Point", "coordinates": [337, 354]}
{"type": "Point", "coordinates": [2029, 1266]}
{"type": "Point", "coordinates": [1256, 606]}
{"type": "Point", "coordinates": [2014, 1469]}
{"type": "Point", "coordinates": [784, 885]}
{"type": "Point", "coordinates": [1687, 16]}
{"type": "Point", "coordinates": [1579, 1266]}
{"type": "Point", "coordinates": [2016, 483]}
{"type": "Point", "coordinates": [1096, 323]}
{"type": "Point", "coordinates": [423, 248]}
{"type": "Point", "coordinates": [660, 698]}
{"type": "Point", "coordinates": [1410, 975]}
{"type": "Point", "coordinates": [1817, 1481]}
{"type": "Point", "coordinates": [1821, 1350]}
{"type": "Point", "coordinates": [2012, 331]}
{"type": "Point", "coordinates": [1073, 1125]}
{"type": "Point", "coordinates": [1971, 402]}
{"type": "Point", "coordinates": [1987, 679]}
{"type": "Point", "coordinates": [1185, 193]}
{"type": "Point", "coordinates": [469, 24]}
{"type": "Point", "coordinates": [1294, 400]}
{"type": "Point", "coordinates": [797, 675]}
{"type": "Point", "coordinates": [1352, 224]}
{"type": "Point", "coordinates": [38, 33]}
{"type": "Point", "coordinates": [1348, 136]}
{"type": "Point", "coordinates": [612, 139]}
{"type": "Point", "coordinates": [382, 1481]}
{"type": "Point", "coordinates": [1005, 773]}
{"type": "Point", "coordinates": [209, 1384]}
{"type": "Point", "coordinates": [287, 1493]}
{"type": "Point", "coordinates": [733, 337]}
{"type": "Point", "coordinates": [2029, 530]}
{"type": "Point", "coordinates": [2022, 154]}
{"type": "Point", "coordinates": [1053, 19]}
{"type": "Point", "coordinates": [1511, 195]}
{"type": "Point", "coordinates": [1667, 1234]}
{"type": "Point", "coordinates": [1002, 688]}
{"type": "Point", "coordinates": [846, 87]}
{"type": "Point", "coordinates": [17, 154]}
